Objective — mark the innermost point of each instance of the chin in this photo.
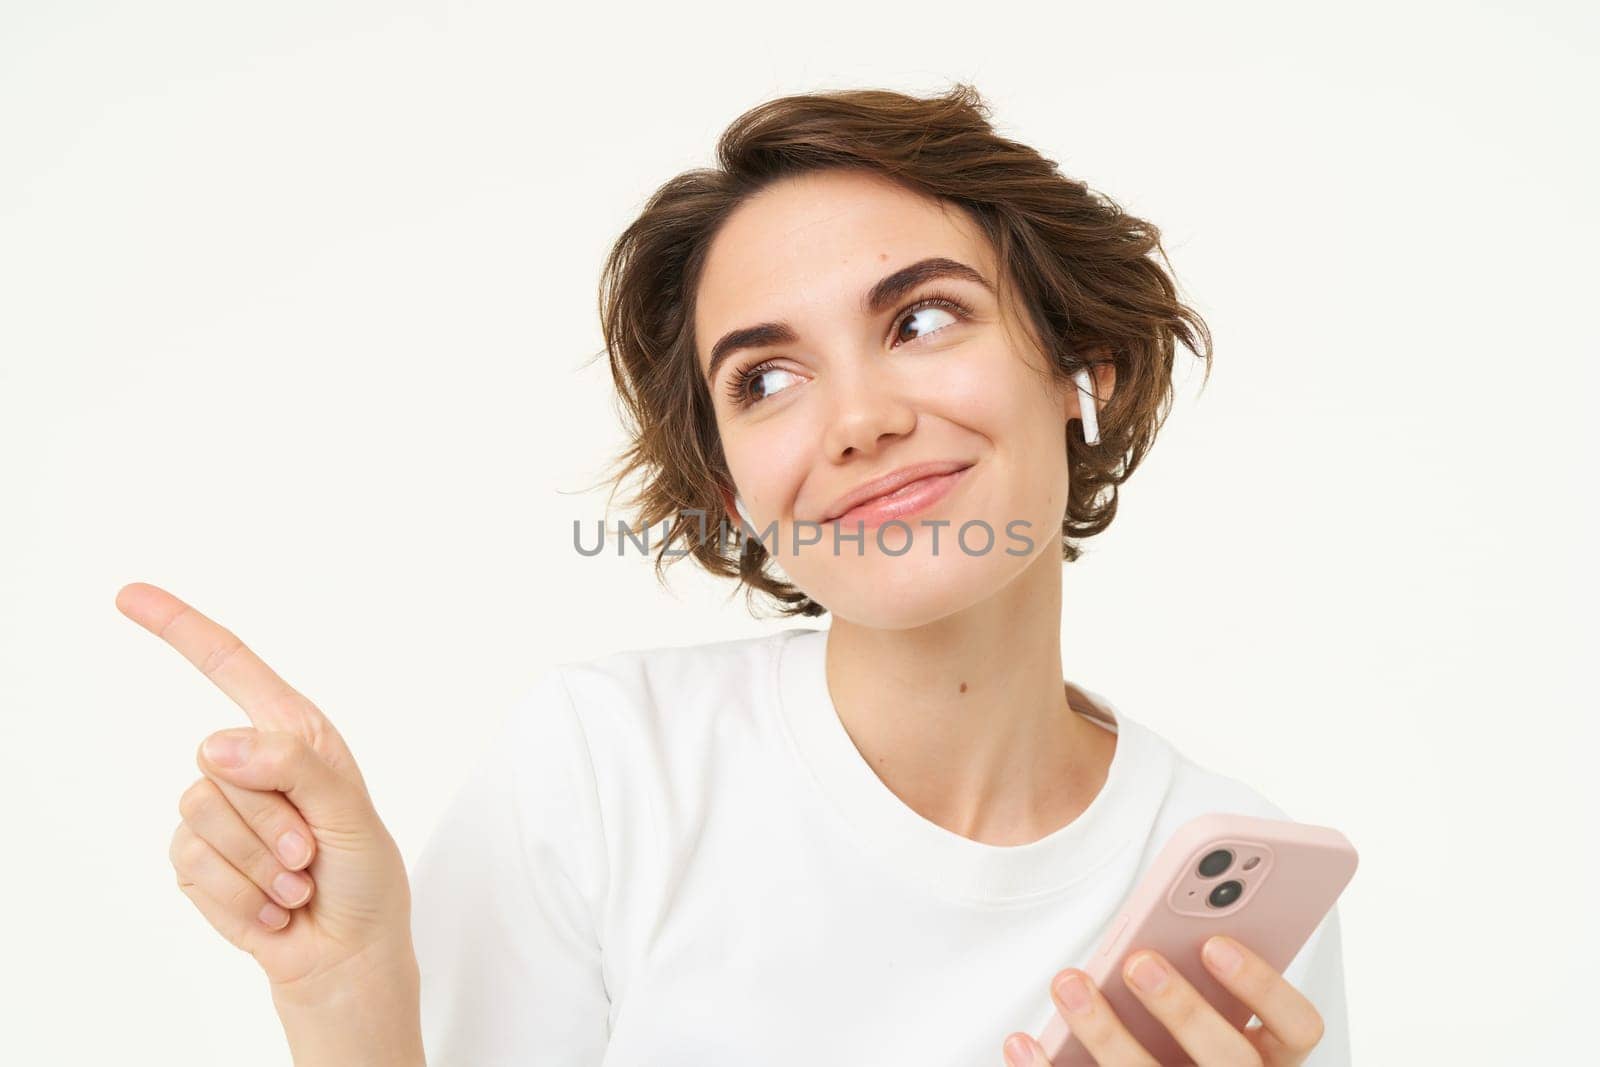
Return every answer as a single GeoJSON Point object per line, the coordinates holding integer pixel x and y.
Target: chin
{"type": "Point", "coordinates": [904, 592]}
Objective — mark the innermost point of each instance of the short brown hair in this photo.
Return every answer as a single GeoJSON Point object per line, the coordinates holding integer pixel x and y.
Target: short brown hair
{"type": "Point", "coordinates": [1084, 268]}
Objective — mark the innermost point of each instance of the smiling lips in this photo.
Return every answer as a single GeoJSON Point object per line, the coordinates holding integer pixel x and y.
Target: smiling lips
{"type": "Point", "coordinates": [901, 493]}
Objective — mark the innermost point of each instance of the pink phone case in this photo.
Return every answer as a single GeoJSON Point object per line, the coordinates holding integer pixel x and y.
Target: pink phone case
{"type": "Point", "coordinates": [1289, 874]}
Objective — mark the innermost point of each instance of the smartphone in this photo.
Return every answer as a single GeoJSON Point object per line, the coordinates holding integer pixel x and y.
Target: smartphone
{"type": "Point", "coordinates": [1266, 883]}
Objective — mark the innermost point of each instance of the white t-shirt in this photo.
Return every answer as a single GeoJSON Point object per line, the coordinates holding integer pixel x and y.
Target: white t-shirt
{"type": "Point", "coordinates": [678, 856]}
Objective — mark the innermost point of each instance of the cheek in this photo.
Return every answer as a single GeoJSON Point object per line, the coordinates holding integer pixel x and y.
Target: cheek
{"type": "Point", "coordinates": [974, 391]}
{"type": "Point", "coordinates": [990, 392]}
{"type": "Point", "coordinates": [1002, 401]}
{"type": "Point", "coordinates": [769, 462]}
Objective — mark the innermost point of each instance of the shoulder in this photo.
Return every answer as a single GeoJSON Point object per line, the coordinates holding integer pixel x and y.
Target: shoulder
{"type": "Point", "coordinates": [674, 666]}
{"type": "Point", "coordinates": [1177, 787]}
{"type": "Point", "coordinates": [1196, 788]}
{"type": "Point", "coordinates": [599, 742]}
{"type": "Point", "coordinates": [1197, 783]}
{"type": "Point", "coordinates": [1182, 788]}
{"type": "Point", "coordinates": [641, 719]}
{"type": "Point", "coordinates": [640, 688]}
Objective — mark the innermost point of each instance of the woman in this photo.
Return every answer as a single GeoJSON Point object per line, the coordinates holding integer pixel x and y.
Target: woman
{"type": "Point", "coordinates": [907, 361]}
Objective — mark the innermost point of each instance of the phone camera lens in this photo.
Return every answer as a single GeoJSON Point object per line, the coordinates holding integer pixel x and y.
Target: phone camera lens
{"type": "Point", "coordinates": [1225, 894]}
{"type": "Point", "coordinates": [1215, 863]}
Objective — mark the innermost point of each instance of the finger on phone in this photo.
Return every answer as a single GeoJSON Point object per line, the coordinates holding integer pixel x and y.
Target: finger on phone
{"type": "Point", "coordinates": [1023, 1051]}
{"type": "Point", "coordinates": [1090, 1017]}
{"type": "Point", "coordinates": [216, 822]}
{"type": "Point", "coordinates": [233, 904]}
{"type": "Point", "coordinates": [1191, 1019]}
{"type": "Point", "coordinates": [1292, 1024]}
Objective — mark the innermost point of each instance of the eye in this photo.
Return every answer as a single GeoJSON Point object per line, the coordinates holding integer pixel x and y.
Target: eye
{"type": "Point", "coordinates": [739, 385]}
{"type": "Point", "coordinates": [739, 393]}
{"type": "Point", "coordinates": [956, 311]}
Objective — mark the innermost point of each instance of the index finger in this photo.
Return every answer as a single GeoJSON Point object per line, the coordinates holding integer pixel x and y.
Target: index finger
{"type": "Point", "coordinates": [270, 702]}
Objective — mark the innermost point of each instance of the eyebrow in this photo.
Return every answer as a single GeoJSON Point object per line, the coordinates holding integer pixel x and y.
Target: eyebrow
{"type": "Point", "coordinates": [889, 289]}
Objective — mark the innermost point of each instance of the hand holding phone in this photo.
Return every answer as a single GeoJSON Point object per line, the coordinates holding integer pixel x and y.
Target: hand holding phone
{"type": "Point", "coordinates": [1265, 885]}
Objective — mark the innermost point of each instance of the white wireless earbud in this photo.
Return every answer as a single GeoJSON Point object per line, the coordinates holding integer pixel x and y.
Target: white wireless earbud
{"type": "Point", "coordinates": [1091, 424]}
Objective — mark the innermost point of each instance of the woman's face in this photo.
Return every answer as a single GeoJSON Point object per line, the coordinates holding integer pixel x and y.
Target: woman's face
{"type": "Point", "coordinates": [860, 389]}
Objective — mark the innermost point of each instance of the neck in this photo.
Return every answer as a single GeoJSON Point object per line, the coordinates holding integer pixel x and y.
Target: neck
{"type": "Point", "coordinates": [966, 718]}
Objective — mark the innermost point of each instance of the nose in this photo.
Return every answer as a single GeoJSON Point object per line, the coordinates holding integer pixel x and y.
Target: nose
{"type": "Point", "coordinates": [868, 407]}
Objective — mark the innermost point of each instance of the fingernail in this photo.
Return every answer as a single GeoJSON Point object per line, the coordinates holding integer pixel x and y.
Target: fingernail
{"type": "Point", "coordinates": [291, 888]}
{"type": "Point", "coordinates": [1074, 994]}
{"type": "Point", "coordinates": [1149, 975]}
{"type": "Point", "coordinates": [1017, 1053]}
{"type": "Point", "coordinates": [272, 916]}
{"type": "Point", "coordinates": [1223, 957]}
{"type": "Point", "coordinates": [292, 849]}
{"type": "Point", "coordinates": [227, 750]}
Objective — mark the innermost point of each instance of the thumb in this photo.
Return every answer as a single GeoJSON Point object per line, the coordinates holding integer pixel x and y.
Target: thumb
{"type": "Point", "coordinates": [286, 762]}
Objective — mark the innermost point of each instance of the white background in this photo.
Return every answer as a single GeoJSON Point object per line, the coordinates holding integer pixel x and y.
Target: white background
{"type": "Point", "coordinates": [297, 318]}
